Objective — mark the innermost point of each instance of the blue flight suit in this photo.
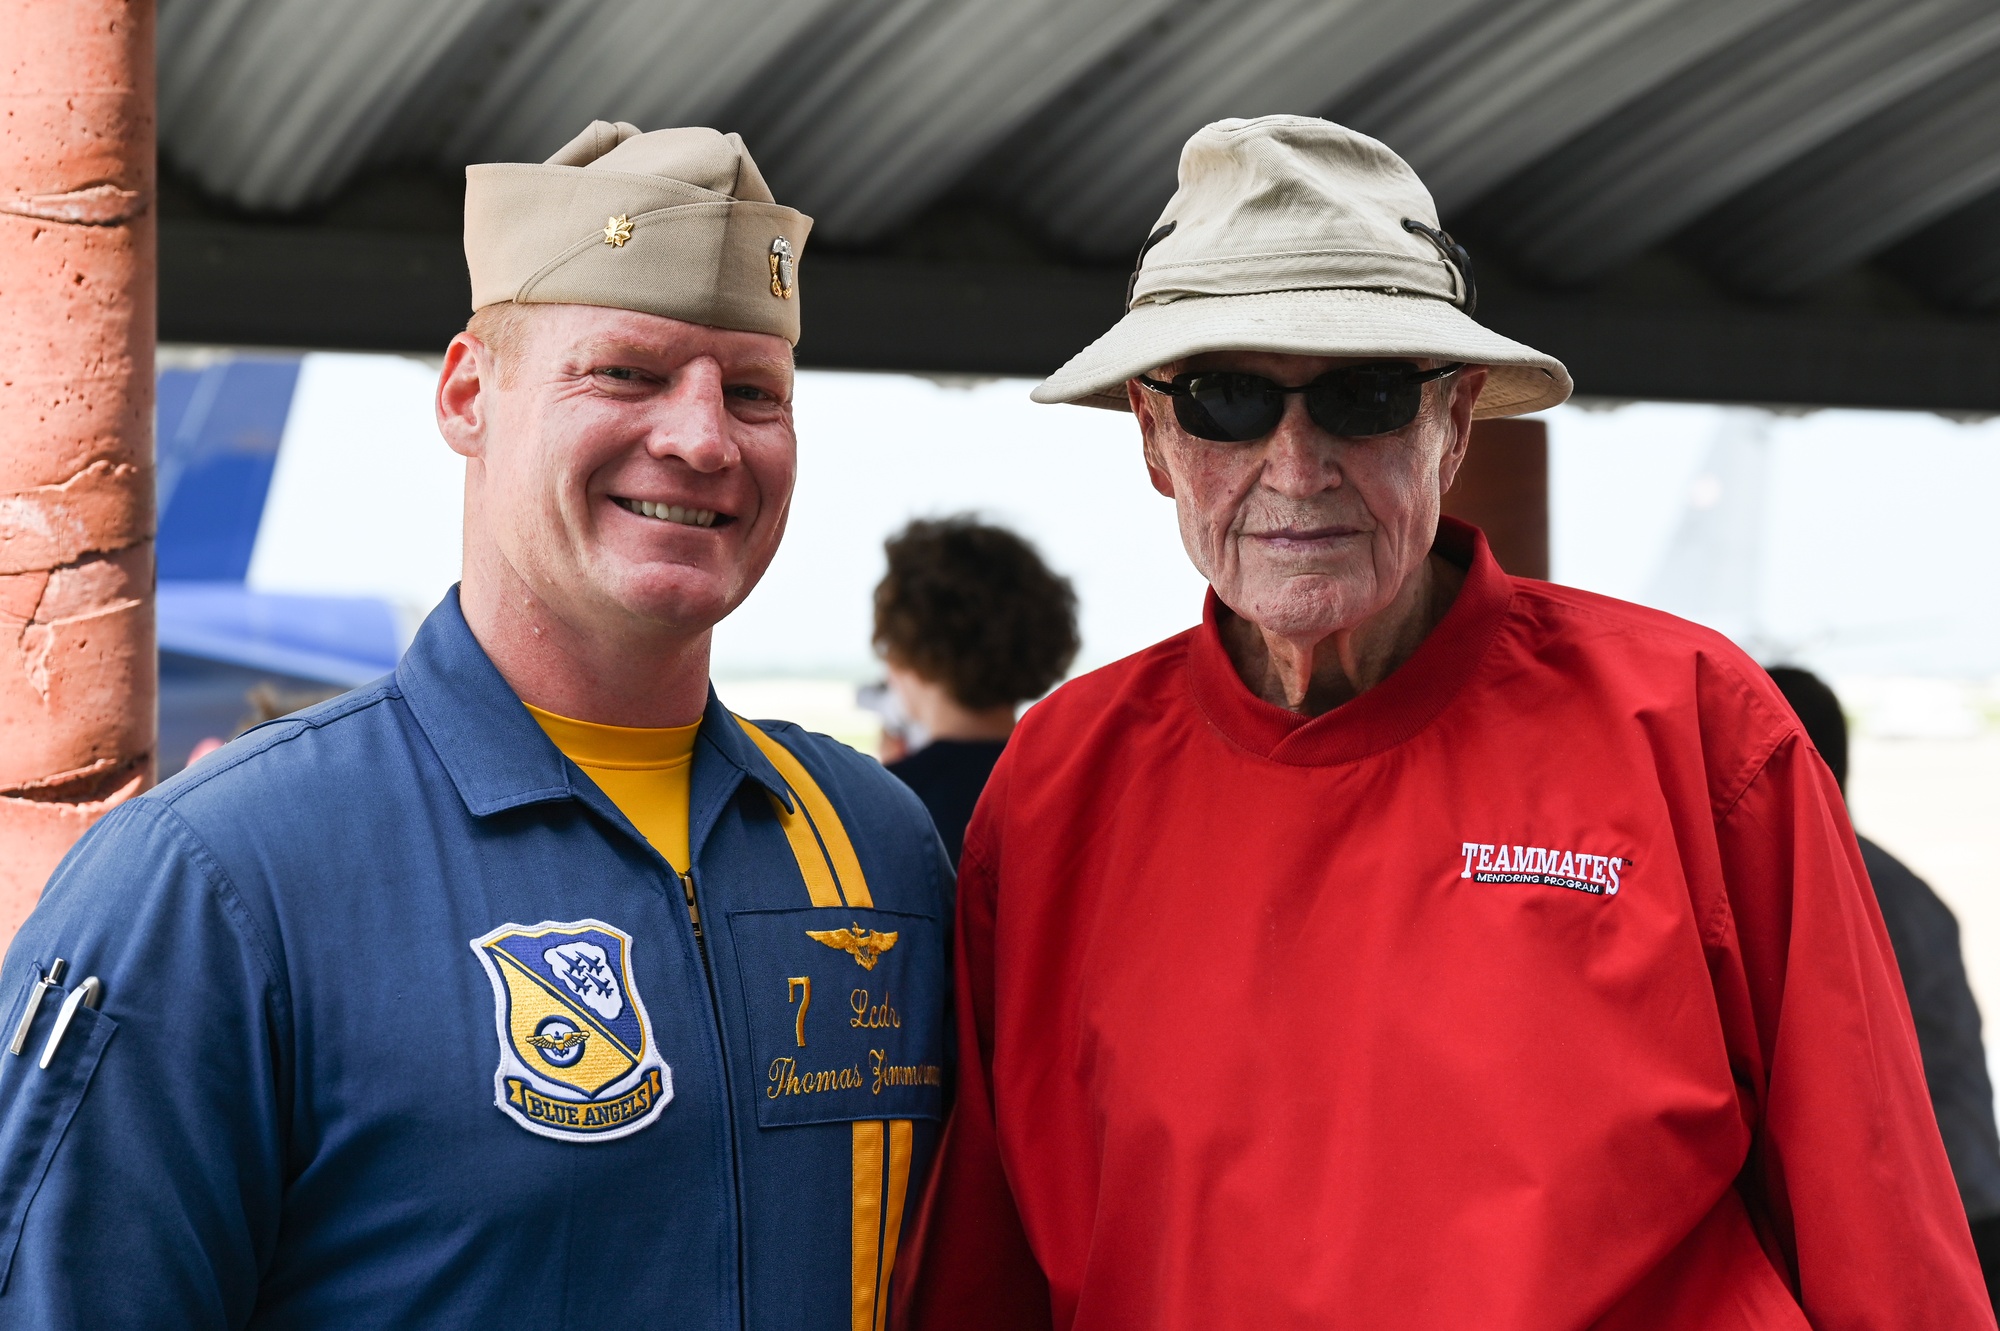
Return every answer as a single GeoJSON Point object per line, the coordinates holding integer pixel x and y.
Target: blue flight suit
{"type": "Point", "coordinates": [403, 1024]}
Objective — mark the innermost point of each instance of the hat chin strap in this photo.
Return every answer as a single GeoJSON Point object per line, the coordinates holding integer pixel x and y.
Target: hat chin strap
{"type": "Point", "coordinates": [1160, 233]}
{"type": "Point", "coordinates": [1453, 252]}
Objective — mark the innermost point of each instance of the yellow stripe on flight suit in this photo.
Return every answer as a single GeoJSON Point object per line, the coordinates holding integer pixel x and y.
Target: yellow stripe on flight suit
{"type": "Point", "coordinates": [902, 1133]}
{"type": "Point", "coordinates": [833, 877]}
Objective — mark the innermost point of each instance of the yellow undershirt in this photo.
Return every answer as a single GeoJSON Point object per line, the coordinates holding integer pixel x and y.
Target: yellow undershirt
{"type": "Point", "coordinates": [644, 771]}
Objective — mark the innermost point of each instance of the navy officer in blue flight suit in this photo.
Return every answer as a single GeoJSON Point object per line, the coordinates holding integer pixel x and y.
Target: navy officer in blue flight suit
{"type": "Point", "coordinates": [527, 986]}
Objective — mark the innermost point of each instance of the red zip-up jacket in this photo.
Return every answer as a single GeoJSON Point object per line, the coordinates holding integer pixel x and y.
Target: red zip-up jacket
{"type": "Point", "coordinates": [1540, 986]}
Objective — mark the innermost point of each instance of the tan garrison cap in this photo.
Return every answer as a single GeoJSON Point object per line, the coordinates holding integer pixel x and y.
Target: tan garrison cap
{"type": "Point", "coordinates": [1291, 234]}
{"type": "Point", "coordinates": [678, 222]}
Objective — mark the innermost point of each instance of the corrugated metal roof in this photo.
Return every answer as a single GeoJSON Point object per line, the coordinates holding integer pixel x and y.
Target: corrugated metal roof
{"type": "Point", "coordinates": [545, 75]}
{"type": "Point", "coordinates": [1093, 170]}
{"type": "Point", "coordinates": [1523, 79]}
{"type": "Point", "coordinates": [904, 98]}
{"type": "Point", "coordinates": [1661, 161]}
{"type": "Point", "coordinates": [1920, 160]}
{"type": "Point", "coordinates": [1778, 141]}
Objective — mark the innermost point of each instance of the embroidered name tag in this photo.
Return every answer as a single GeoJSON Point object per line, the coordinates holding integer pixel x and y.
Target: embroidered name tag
{"type": "Point", "coordinates": [577, 1058]}
{"type": "Point", "coordinates": [846, 1013]}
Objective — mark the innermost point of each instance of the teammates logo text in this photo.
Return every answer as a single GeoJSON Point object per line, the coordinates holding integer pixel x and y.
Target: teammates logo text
{"type": "Point", "coordinates": [1574, 869]}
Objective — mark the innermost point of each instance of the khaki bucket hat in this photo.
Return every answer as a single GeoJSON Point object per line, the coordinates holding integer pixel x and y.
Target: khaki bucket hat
{"type": "Point", "coordinates": [1292, 234]}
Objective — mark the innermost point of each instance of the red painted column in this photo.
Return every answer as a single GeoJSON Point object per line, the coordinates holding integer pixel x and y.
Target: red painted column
{"type": "Point", "coordinates": [1503, 489]}
{"type": "Point", "coordinates": [78, 667]}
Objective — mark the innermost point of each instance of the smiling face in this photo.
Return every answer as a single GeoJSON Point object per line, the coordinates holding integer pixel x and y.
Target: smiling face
{"type": "Point", "coordinates": [1303, 533]}
{"type": "Point", "coordinates": [626, 470]}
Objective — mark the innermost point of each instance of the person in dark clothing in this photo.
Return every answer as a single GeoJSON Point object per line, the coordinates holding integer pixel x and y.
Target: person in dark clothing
{"type": "Point", "coordinates": [971, 624]}
{"type": "Point", "coordinates": [1924, 934]}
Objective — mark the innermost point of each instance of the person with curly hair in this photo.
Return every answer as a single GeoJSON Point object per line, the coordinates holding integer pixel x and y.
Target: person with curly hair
{"type": "Point", "coordinates": [971, 624]}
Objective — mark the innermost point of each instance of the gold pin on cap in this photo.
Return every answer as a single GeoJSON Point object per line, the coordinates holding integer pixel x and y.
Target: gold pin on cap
{"type": "Point", "coordinates": [617, 230]}
{"type": "Point", "coordinates": [784, 268]}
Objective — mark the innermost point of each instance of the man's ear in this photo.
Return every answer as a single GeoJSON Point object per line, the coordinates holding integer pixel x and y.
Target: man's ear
{"type": "Point", "coordinates": [1465, 390]}
{"type": "Point", "coordinates": [1149, 429]}
{"type": "Point", "coordinates": [467, 376]}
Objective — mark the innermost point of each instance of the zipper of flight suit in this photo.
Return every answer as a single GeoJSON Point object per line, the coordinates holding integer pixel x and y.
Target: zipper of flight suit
{"type": "Point", "coordinates": [728, 1101]}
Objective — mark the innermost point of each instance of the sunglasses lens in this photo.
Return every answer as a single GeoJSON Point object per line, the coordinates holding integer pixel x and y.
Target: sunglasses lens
{"type": "Point", "coordinates": [1233, 408]}
{"type": "Point", "coordinates": [1365, 399]}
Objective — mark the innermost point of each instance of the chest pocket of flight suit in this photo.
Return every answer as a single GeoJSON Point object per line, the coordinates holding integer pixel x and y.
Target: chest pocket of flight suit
{"type": "Point", "coordinates": [845, 1011]}
{"type": "Point", "coordinates": [37, 1103]}
{"type": "Point", "coordinates": [767, 941]}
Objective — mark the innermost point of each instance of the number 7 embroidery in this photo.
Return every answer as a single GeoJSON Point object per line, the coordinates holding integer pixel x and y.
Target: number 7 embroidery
{"type": "Point", "coordinates": [792, 986]}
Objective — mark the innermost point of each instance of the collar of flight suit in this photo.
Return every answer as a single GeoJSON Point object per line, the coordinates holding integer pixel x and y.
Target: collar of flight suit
{"type": "Point", "coordinates": [496, 754]}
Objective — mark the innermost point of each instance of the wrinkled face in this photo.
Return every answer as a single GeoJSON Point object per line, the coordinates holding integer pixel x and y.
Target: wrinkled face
{"type": "Point", "coordinates": [629, 465]}
{"type": "Point", "coordinates": [1304, 533]}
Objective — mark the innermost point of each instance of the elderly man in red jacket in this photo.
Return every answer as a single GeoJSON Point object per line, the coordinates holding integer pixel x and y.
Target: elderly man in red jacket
{"type": "Point", "coordinates": [1409, 945]}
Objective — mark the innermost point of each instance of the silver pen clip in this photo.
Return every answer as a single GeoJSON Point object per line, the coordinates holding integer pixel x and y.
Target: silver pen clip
{"type": "Point", "coordinates": [84, 994]}
{"type": "Point", "coordinates": [42, 986]}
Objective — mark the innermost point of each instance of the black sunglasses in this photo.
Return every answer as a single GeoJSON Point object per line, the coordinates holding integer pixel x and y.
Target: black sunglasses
{"type": "Point", "coordinates": [1379, 397]}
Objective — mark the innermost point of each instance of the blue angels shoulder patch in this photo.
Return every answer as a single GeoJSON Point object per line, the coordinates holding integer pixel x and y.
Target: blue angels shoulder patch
{"type": "Point", "coordinates": [577, 1058]}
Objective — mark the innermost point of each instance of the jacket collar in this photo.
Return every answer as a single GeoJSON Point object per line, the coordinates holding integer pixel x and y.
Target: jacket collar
{"type": "Point", "coordinates": [721, 733]}
{"type": "Point", "coordinates": [495, 754]}
{"type": "Point", "coordinates": [1386, 715]}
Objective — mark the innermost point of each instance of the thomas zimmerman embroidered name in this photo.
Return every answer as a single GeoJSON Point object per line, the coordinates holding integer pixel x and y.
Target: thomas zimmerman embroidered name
{"type": "Point", "coordinates": [785, 1078]}
{"type": "Point", "coordinates": [889, 1074]}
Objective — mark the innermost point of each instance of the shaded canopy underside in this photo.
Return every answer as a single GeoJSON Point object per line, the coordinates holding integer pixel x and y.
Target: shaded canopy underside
{"type": "Point", "coordinates": [1797, 169]}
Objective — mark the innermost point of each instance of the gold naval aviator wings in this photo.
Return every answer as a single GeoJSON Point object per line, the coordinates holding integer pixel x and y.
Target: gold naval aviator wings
{"type": "Point", "coordinates": [865, 945]}
{"type": "Point", "coordinates": [882, 1150]}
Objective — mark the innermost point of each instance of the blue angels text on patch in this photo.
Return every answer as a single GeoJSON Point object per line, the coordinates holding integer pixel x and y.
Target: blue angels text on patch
{"type": "Point", "coordinates": [577, 1058]}
{"type": "Point", "coordinates": [846, 1010]}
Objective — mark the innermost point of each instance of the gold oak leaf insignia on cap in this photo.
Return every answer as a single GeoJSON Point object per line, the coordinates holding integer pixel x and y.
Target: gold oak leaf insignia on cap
{"type": "Point", "coordinates": [784, 268]}
{"type": "Point", "coordinates": [617, 230]}
{"type": "Point", "coordinates": [866, 945]}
